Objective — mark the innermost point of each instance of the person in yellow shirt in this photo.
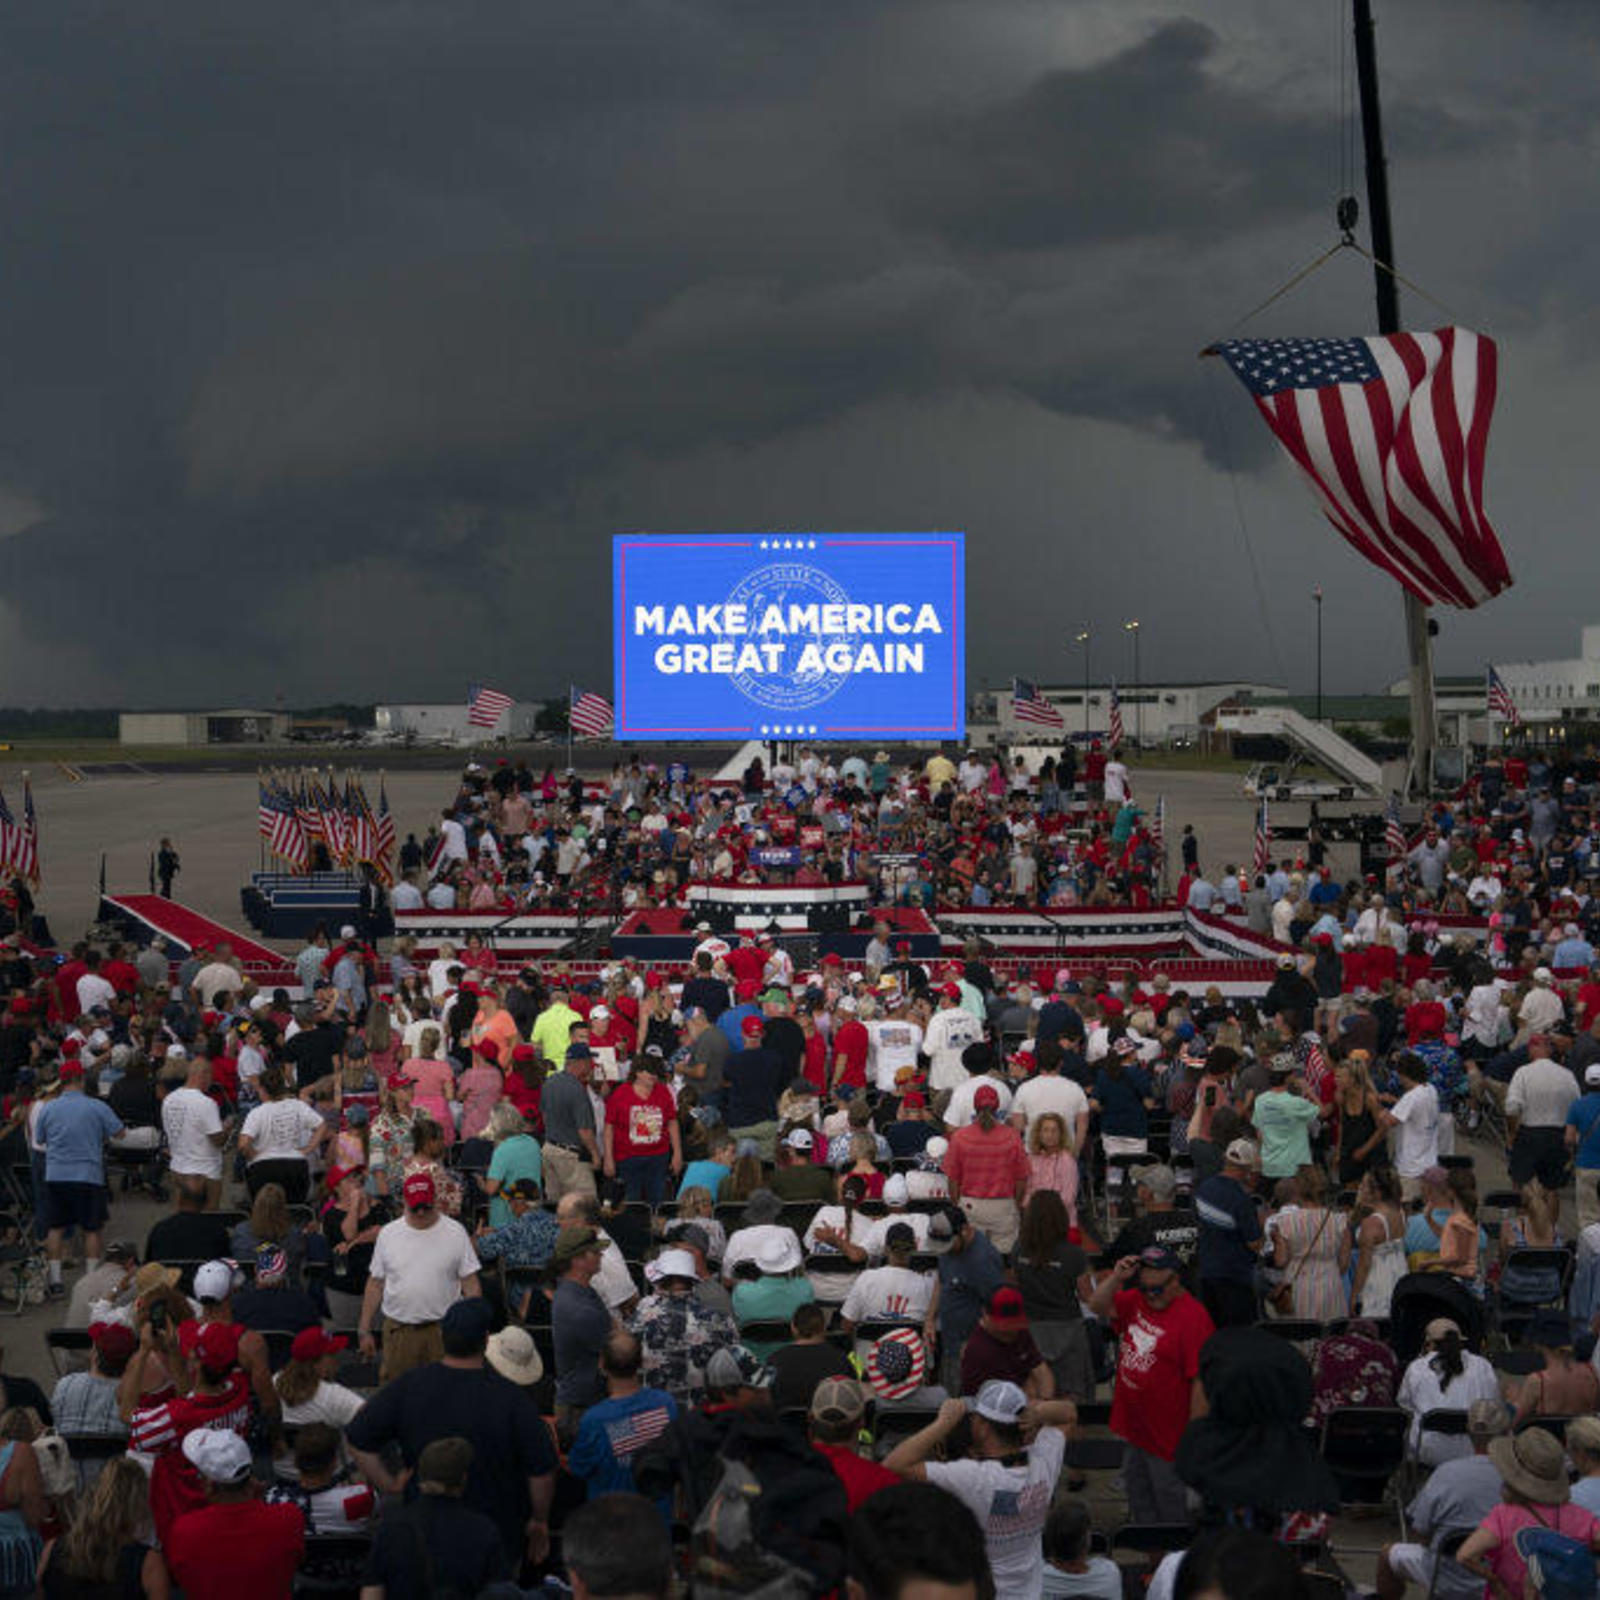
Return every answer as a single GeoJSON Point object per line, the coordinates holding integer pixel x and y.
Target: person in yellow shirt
{"type": "Point", "coordinates": [552, 1030]}
{"type": "Point", "coordinates": [939, 771]}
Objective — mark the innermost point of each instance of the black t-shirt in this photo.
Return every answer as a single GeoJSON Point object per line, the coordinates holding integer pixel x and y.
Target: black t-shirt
{"type": "Point", "coordinates": [135, 1101]}
{"type": "Point", "coordinates": [1050, 1291]}
{"type": "Point", "coordinates": [313, 1051]}
{"type": "Point", "coordinates": [188, 1236]}
{"type": "Point", "coordinates": [799, 1368]}
{"type": "Point", "coordinates": [753, 1079]}
{"type": "Point", "coordinates": [437, 1546]}
{"type": "Point", "coordinates": [1177, 1231]}
{"type": "Point", "coordinates": [510, 1442]}
{"type": "Point", "coordinates": [710, 994]}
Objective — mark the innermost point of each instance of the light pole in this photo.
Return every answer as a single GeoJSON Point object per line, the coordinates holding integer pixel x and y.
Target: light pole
{"type": "Point", "coordinates": [1138, 699]}
{"type": "Point", "coordinates": [1316, 594]}
{"type": "Point", "coordinates": [1083, 639]}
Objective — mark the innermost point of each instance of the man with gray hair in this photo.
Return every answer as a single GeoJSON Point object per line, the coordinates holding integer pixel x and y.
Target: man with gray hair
{"type": "Point", "coordinates": [1458, 1494]}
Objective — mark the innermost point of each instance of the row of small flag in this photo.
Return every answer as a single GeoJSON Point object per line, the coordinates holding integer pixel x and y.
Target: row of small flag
{"type": "Point", "coordinates": [19, 841]}
{"type": "Point", "coordinates": [589, 715]}
{"type": "Point", "coordinates": [299, 810]}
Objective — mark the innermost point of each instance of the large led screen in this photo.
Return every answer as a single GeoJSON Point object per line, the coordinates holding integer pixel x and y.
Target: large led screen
{"type": "Point", "coordinates": [847, 636]}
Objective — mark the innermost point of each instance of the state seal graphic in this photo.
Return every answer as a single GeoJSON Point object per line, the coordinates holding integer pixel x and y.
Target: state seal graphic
{"type": "Point", "coordinates": [802, 677]}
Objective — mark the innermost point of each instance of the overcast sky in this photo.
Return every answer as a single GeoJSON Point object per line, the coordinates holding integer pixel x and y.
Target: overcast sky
{"type": "Point", "coordinates": [337, 339]}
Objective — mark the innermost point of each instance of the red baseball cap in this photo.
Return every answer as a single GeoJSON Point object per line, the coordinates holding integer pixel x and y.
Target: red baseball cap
{"type": "Point", "coordinates": [113, 1339]}
{"type": "Point", "coordinates": [951, 991]}
{"type": "Point", "coordinates": [751, 1027]}
{"type": "Point", "coordinates": [488, 1047]}
{"type": "Point", "coordinates": [986, 1098]}
{"type": "Point", "coordinates": [419, 1191]}
{"type": "Point", "coordinates": [1006, 1309]}
{"type": "Point", "coordinates": [914, 1098]}
{"type": "Point", "coordinates": [70, 1068]}
{"type": "Point", "coordinates": [523, 1052]}
{"type": "Point", "coordinates": [312, 1344]}
{"type": "Point", "coordinates": [71, 1047]}
{"type": "Point", "coordinates": [216, 1345]}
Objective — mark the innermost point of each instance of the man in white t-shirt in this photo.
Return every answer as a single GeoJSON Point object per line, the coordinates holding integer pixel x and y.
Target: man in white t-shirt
{"type": "Point", "coordinates": [407, 896]}
{"type": "Point", "coordinates": [452, 844]}
{"type": "Point", "coordinates": [93, 990]}
{"type": "Point", "coordinates": [439, 970]}
{"type": "Point", "coordinates": [217, 976]}
{"type": "Point", "coordinates": [421, 1265]}
{"type": "Point", "coordinates": [893, 1043]}
{"type": "Point", "coordinates": [983, 1070]}
{"type": "Point", "coordinates": [1116, 781]}
{"type": "Point", "coordinates": [1048, 1090]}
{"type": "Point", "coordinates": [1416, 1117]}
{"type": "Point", "coordinates": [193, 1126]}
{"type": "Point", "coordinates": [950, 1030]}
{"type": "Point", "coordinates": [277, 1140]}
{"type": "Point", "coordinates": [1006, 1483]}
{"type": "Point", "coordinates": [895, 1290]}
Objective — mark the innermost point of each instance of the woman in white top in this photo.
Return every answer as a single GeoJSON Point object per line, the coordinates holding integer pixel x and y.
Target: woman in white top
{"type": "Point", "coordinates": [307, 1392]}
{"type": "Point", "coordinates": [278, 1138]}
{"type": "Point", "coordinates": [839, 1230]}
{"type": "Point", "coordinates": [1445, 1377]}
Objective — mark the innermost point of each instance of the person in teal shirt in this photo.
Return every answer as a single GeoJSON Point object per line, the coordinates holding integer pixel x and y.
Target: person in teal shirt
{"type": "Point", "coordinates": [773, 1296]}
{"type": "Point", "coordinates": [708, 1172]}
{"type": "Point", "coordinates": [516, 1155]}
{"type": "Point", "coordinates": [1284, 1117]}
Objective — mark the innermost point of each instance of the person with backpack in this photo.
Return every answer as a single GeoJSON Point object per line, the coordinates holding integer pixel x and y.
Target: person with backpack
{"type": "Point", "coordinates": [1536, 1532]}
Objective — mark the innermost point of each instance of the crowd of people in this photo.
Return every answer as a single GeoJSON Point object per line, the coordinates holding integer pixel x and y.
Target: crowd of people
{"type": "Point", "coordinates": [787, 1281]}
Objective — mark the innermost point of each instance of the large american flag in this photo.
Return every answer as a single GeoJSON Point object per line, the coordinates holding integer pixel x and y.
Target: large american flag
{"type": "Point", "coordinates": [1391, 432]}
{"type": "Point", "coordinates": [485, 707]}
{"type": "Point", "coordinates": [385, 839]}
{"type": "Point", "coordinates": [1394, 835]}
{"type": "Point", "coordinates": [1263, 855]}
{"type": "Point", "coordinates": [1500, 702]}
{"type": "Point", "coordinates": [1114, 730]}
{"type": "Point", "coordinates": [590, 714]}
{"type": "Point", "coordinates": [1029, 705]}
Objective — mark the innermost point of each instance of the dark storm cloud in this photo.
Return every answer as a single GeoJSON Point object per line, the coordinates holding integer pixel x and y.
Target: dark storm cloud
{"type": "Point", "coordinates": [336, 340]}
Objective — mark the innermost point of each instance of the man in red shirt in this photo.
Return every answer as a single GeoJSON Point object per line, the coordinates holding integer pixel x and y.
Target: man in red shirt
{"type": "Point", "coordinates": [216, 1400]}
{"type": "Point", "coordinates": [747, 962]}
{"type": "Point", "coordinates": [641, 1134]}
{"type": "Point", "coordinates": [235, 1547]}
{"type": "Point", "coordinates": [851, 1044]}
{"type": "Point", "coordinates": [838, 1409]}
{"type": "Point", "coordinates": [1161, 1327]}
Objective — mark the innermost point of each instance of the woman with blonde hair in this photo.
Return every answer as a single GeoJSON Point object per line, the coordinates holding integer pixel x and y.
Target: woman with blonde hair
{"type": "Point", "coordinates": [1362, 1135]}
{"type": "Point", "coordinates": [269, 1222]}
{"type": "Point", "coordinates": [747, 1175]}
{"type": "Point", "coordinates": [435, 1081]}
{"type": "Point", "coordinates": [1051, 1163]}
{"type": "Point", "coordinates": [516, 1156]}
{"type": "Point", "coordinates": [104, 1554]}
{"type": "Point", "coordinates": [306, 1390]}
{"type": "Point", "coordinates": [1311, 1248]}
{"type": "Point", "coordinates": [383, 1044]}
{"type": "Point", "coordinates": [1536, 1225]}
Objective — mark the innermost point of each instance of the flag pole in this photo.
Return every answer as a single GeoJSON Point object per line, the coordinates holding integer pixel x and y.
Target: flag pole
{"type": "Point", "coordinates": [569, 727]}
{"type": "Point", "coordinates": [1419, 640]}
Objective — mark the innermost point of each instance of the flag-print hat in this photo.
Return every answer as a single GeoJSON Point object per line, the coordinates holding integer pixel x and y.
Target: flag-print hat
{"type": "Point", "coordinates": [897, 1364]}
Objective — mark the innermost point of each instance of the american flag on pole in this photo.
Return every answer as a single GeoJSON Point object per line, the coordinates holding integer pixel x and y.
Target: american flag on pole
{"type": "Point", "coordinates": [27, 852]}
{"type": "Point", "coordinates": [1114, 730]}
{"type": "Point", "coordinates": [485, 707]}
{"type": "Point", "coordinates": [1263, 855]}
{"type": "Point", "coordinates": [279, 824]}
{"type": "Point", "coordinates": [1500, 702]}
{"type": "Point", "coordinates": [385, 840]}
{"type": "Point", "coordinates": [1391, 432]}
{"type": "Point", "coordinates": [10, 837]}
{"type": "Point", "coordinates": [1029, 705]}
{"type": "Point", "coordinates": [590, 714]}
{"type": "Point", "coordinates": [1158, 828]}
{"type": "Point", "coordinates": [1394, 836]}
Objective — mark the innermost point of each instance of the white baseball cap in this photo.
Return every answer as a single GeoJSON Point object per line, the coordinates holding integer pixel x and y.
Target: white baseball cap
{"type": "Point", "coordinates": [999, 1401]}
{"type": "Point", "coordinates": [218, 1454]}
{"type": "Point", "coordinates": [213, 1281]}
{"type": "Point", "coordinates": [676, 1264]}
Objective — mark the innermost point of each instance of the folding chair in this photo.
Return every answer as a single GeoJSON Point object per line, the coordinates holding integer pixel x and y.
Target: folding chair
{"type": "Point", "coordinates": [1296, 1330]}
{"type": "Point", "coordinates": [1445, 1546]}
{"type": "Point", "coordinates": [64, 1344]}
{"type": "Point", "coordinates": [1094, 1455]}
{"type": "Point", "coordinates": [1365, 1446]}
{"type": "Point", "coordinates": [331, 1566]}
{"type": "Point", "coordinates": [1532, 1279]}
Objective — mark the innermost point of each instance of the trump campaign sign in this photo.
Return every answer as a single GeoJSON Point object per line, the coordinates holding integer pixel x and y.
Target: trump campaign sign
{"type": "Point", "coordinates": [849, 636]}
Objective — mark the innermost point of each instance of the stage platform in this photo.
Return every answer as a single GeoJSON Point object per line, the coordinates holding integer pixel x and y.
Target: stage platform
{"type": "Point", "coordinates": [181, 930]}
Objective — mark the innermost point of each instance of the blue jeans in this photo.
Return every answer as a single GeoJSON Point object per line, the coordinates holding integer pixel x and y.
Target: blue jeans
{"type": "Point", "coordinates": [644, 1178]}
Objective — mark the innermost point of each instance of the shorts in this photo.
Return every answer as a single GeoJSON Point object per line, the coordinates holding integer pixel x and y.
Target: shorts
{"type": "Point", "coordinates": [75, 1205]}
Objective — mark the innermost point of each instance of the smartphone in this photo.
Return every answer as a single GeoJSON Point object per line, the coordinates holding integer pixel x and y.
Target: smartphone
{"type": "Point", "coordinates": [158, 1316]}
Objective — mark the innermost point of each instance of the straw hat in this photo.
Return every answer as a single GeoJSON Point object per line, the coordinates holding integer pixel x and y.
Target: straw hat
{"type": "Point", "coordinates": [1534, 1464]}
